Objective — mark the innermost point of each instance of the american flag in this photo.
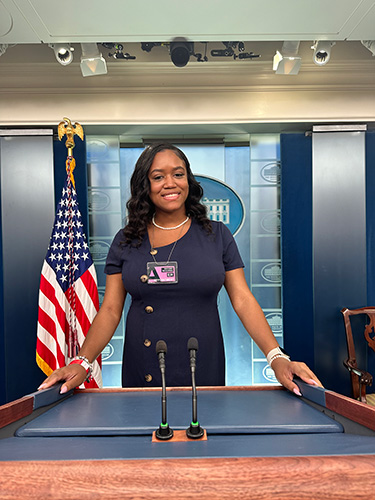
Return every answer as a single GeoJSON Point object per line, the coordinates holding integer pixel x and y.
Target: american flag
{"type": "Point", "coordinates": [68, 294]}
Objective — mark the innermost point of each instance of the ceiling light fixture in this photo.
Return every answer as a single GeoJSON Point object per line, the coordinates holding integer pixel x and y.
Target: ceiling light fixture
{"type": "Point", "coordinates": [92, 61]}
{"type": "Point", "coordinates": [284, 65]}
{"type": "Point", "coordinates": [322, 51]}
{"type": "Point", "coordinates": [63, 53]}
{"type": "Point", "coordinates": [287, 62]}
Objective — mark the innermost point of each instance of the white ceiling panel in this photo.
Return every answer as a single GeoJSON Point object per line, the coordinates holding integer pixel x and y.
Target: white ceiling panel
{"type": "Point", "coordinates": [365, 29]}
{"type": "Point", "coordinates": [48, 21]}
{"type": "Point", "coordinates": [14, 28]}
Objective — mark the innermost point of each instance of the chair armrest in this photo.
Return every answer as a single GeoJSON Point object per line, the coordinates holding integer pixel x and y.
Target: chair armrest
{"type": "Point", "coordinates": [365, 377]}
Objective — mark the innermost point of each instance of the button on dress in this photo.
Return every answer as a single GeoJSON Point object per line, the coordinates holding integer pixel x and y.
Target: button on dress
{"type": "Point", "coordinates": [175, 312]}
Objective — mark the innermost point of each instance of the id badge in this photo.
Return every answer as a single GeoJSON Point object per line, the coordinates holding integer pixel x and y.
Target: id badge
{"type": "Point", "coordinates": [162, 273]}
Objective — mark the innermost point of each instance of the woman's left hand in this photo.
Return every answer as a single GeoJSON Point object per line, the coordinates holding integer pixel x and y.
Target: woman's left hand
{"type": "Point", "coordinates": [286, 370]}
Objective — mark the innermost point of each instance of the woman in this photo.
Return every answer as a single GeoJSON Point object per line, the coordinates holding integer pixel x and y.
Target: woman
{"type": "Point", "coordinates": [173, 261]}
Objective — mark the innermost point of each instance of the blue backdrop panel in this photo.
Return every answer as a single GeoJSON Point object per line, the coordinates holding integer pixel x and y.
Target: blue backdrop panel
{"type": "Point", "coordinates": [339, 242]}
{"type": "Point", "coordinates": [296, 246]}
{"type": "Point", "coordinates": [27, 217]}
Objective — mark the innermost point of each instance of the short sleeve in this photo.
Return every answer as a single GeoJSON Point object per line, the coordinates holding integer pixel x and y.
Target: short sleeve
{"type": "Point", "coordinates": [114, 260]}
{"type": "Point", "coordinates": [231, 255]}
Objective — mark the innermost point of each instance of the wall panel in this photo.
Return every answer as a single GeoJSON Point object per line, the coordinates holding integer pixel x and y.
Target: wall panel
{"type": "Point", "coordinates": [27, 211]}
{"type": "Point", "coordinates": [339, 246]}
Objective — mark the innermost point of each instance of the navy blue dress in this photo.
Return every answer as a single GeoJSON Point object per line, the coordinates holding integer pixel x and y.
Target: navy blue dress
{"type": "Point", "coordinates": [175, 312]}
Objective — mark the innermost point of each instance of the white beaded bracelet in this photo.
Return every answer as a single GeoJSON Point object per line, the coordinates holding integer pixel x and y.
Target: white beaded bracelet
{"type": "Point", "coordinates": [274, 354]}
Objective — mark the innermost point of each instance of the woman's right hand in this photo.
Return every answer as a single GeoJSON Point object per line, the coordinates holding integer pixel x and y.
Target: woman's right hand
{"type": "Point", "coordinates": [73, 376]}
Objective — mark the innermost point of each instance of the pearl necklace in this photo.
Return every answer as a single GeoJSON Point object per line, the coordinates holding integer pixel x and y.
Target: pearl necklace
{"type": "Point", "coordinates": [169, 228]}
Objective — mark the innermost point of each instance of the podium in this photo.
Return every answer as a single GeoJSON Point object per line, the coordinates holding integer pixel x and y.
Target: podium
{"type": "Point", "coordinates": [260, 440]}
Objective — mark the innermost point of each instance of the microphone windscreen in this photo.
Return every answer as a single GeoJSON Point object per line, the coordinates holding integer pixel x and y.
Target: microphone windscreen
{"type": "Point", "coordinates": [192, 344]}
{"type": "Point", "coordinates": [161, 346]}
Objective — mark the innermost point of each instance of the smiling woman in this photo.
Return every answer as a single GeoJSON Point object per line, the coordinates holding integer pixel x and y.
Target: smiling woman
{"type": "Point", "coordinates": [163, 192]}
{"type": "Point", "coordinates": [169, 186]}
{"type": "Point", "coordinates": [173, 261]}
{"type": "Point", "coordinates": [169, 190]}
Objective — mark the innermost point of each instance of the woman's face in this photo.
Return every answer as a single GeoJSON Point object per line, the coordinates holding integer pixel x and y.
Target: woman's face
{"type": "Point", "coordinates": [169, 186]}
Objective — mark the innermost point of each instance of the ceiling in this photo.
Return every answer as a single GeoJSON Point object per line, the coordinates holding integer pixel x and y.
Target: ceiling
{"type": "Point", "coordinates": [27, 27]}
{"type": "Point", "coordinates": [48, 21]}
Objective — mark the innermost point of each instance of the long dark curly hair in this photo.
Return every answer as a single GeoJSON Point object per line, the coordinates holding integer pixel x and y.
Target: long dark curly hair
{"type": "Point", "coordinates": [141, 208]}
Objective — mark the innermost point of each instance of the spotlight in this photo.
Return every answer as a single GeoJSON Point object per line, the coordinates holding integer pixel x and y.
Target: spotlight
{"type": "Point", "coordinates": [322, 52]}
{"type": "Point", "coordinates": [286, 65]}
{"type": "Point", "coordinates": [63, 53]}
{"type": "Point", "coordinates": [287, 61]}
{"type": "Point", "coordinates": [92, 61]}
{"type": "Point", "coordinates": [180, 52]}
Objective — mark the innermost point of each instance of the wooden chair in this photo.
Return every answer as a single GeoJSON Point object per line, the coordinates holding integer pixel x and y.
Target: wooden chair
{"type": "Point", "coordinates": [360, 378]}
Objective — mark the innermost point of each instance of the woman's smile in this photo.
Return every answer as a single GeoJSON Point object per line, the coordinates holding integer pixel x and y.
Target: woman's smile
{"type": "Point", "coordinates": [171, 196]}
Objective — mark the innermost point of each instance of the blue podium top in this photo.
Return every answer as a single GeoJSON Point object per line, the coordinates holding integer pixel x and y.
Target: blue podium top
{"type": "Point", "coordinates": [219, 412]}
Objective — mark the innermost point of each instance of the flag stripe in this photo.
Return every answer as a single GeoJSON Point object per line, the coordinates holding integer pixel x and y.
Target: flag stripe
{"type": "Point", "coordinates": [48, 290]}
{"type": "Point", "coordinates": [53, 302]}
{"type": "Point", "coordinates": [89, 280]}
{"type": "Point", "coordinates": [47, 335]}
{"type": "Point", "coordinates": [49, 354]}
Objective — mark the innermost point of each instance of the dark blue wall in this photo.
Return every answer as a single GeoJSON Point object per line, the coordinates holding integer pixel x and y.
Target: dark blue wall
{"type": "Point", "coordinates": [339, 242]}
{"type": "Point", "coordinates": [27, 215]}
{"type": "Point", "coordinates": [296, 246]}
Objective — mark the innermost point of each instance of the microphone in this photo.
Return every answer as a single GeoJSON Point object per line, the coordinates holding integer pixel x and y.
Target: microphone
{"type": "Point", "coordinates": [161, 351]}
{"type": "Point", "coordinates": [195, 431]}
{"type": "Point", "coordinates": [192, 346]}
{"type": "Point", "coordinates": [164, 431]}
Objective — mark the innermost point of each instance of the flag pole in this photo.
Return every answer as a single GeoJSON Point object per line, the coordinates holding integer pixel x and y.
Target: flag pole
{"type": "Point", "coordinates": [68, 293]}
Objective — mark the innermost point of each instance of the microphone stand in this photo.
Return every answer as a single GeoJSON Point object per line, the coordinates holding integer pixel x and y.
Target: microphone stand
{"type": "Point", "coordinates": [164, 432]}
{"type": "Point", "coordinates": [195, 431]}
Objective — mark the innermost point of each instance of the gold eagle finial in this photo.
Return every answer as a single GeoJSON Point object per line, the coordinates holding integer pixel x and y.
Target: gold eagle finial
{"type": "Point", "coordinates": [67, 128]}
